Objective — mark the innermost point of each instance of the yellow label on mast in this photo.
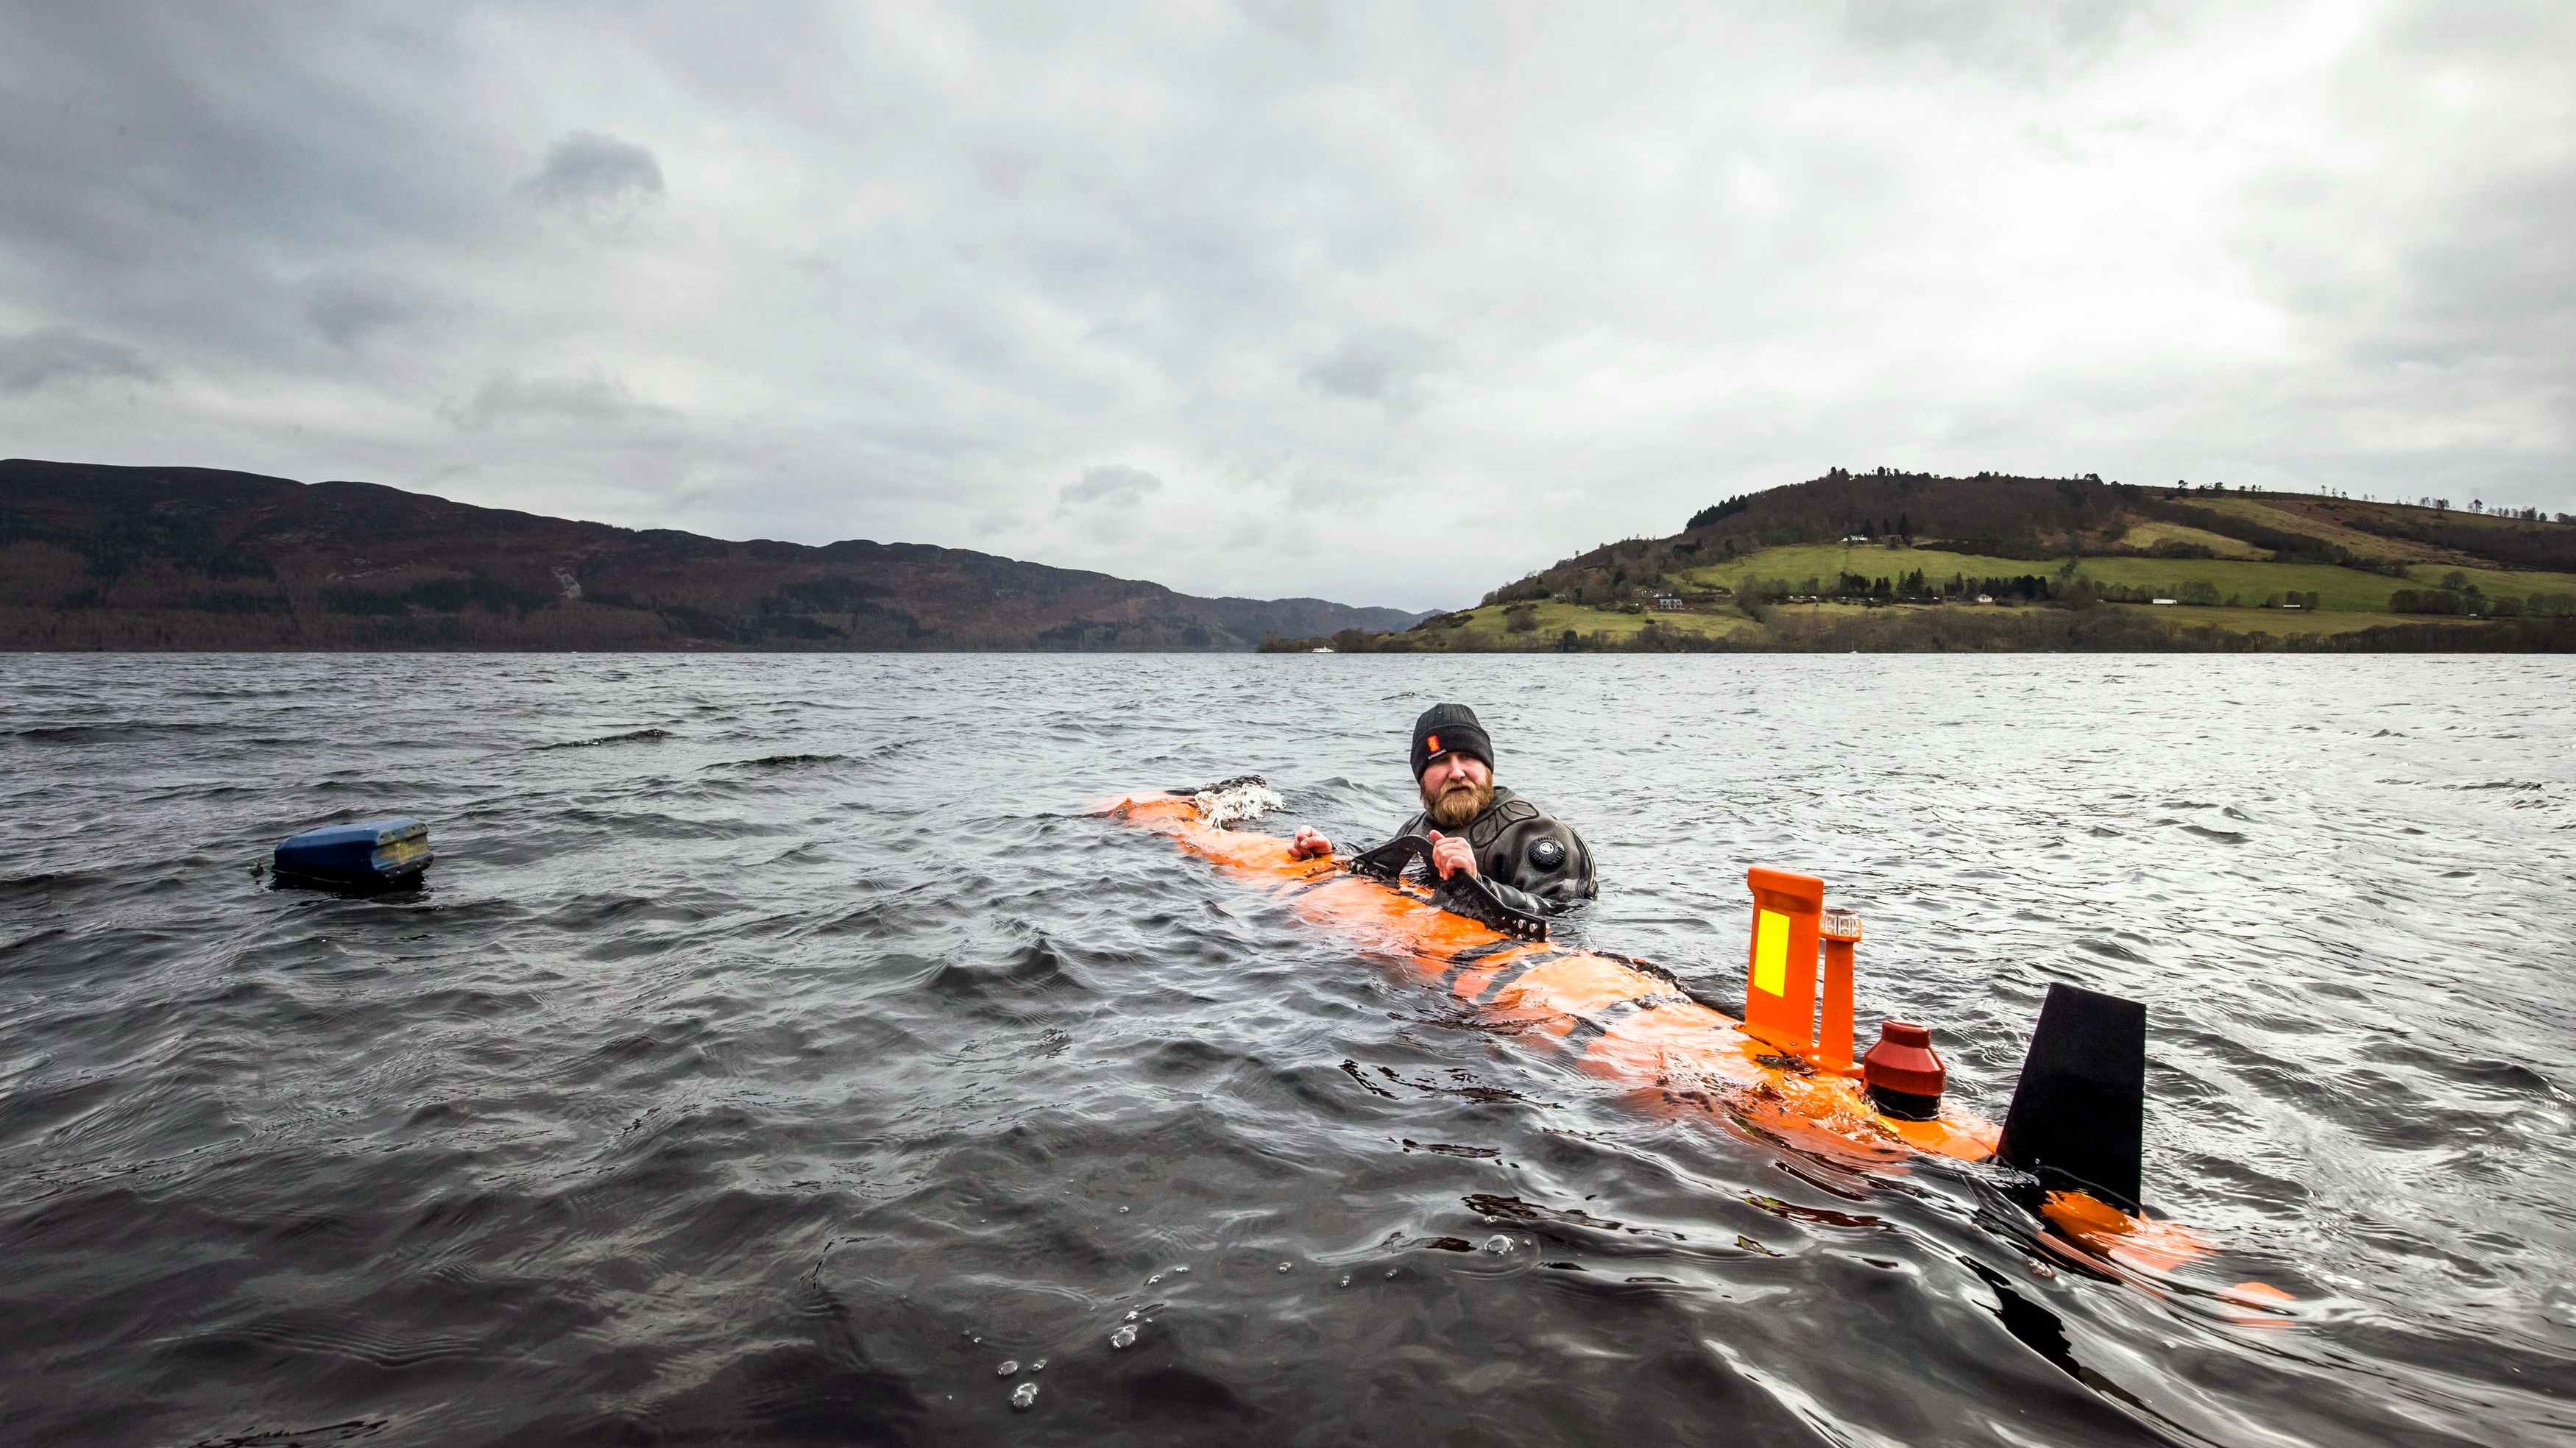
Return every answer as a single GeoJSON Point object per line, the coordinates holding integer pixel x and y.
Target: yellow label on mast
{"type": "Point", "coordinates": [1771, 952]}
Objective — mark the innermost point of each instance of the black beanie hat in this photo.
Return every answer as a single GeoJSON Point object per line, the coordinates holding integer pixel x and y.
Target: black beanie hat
{"type": "Point", "coordinates": [1449, 729]}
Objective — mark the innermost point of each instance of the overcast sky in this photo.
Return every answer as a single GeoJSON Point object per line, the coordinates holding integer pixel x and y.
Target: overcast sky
{"type": "Point", "coordinates": [1385, 303]}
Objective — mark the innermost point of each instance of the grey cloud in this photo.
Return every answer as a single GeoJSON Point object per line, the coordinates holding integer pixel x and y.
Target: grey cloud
{"type": "Point", "coordinates": [1112, 483]}
{"type": "Point", "coordinates": [589, 171]}
{"type": "Point", "coordinates": [2502, 277]}
{"type": "Point", "coordinates": [167, 165]}
{"type": "Point", "coordinates": [1380, 366]}
{"type": "Point", "coordinates": [507, 400]}
{"type": "Point", "coordinates": [62, 356]}
{"type": "Point", "coordinates": [349, 307]}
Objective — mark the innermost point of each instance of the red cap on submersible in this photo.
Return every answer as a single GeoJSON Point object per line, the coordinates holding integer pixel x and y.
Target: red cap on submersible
{"type": "Point", "coordinates": [1905, 1077]}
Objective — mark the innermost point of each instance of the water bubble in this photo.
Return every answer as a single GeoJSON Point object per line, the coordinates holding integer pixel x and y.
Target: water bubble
{"type": "Point", "coordinates": [1124, 1337]}
{"type": "Point", "coordinates": [1498, 1244]}
{"type": "Point", "coordinates": [1346, 1279]}
{"type": "Point", "coordinates": [1039, 1366]}
{"type": "Point", "coordinates": [1284, 1266]}
{"type": "Point", "coordinates": [1122, 1209]}
{"type": "Point", "coordinates": [1390, 1274]}
{"type": "Point", "coordinates": [1133, 1314]}
{"type": "Point", "coordinates": [1024, 1397]}
{"type": "Point", "coordinates": [1157, 1277]}
{"type": "Point", "coordinates": [1008, 1367]}
{"type": "Point", "coordinates": [1184, 1267]}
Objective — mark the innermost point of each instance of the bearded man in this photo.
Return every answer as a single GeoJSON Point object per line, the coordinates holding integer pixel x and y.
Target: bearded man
{"type": "Point", "coordinates": [1533, 862]}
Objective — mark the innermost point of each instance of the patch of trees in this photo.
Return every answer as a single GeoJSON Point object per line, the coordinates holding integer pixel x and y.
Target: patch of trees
{"type": "Point", "coordinates": [1910, 587]}
{"type": "Point", "coordinates": [234, 601]}
{"type": "Point", "coordinates": [1717, 511]}
{"type": "Point", "coordinates": [2543, 546]}
{"type": "Point", "coordinates": [439, 595]}
{"type": "Point", "coordinates": [127, 535]}
{"type": "Point", "coordinates": [837, 593]}
{"type": "Point", "coordinates": [2005, 515]}
{"type": "Point", "coordinates": [1989, 545]}
{"type": "Point", "coordinates": [2459, 598]}
{"type": "Point", "coordinates": [2198, 592]}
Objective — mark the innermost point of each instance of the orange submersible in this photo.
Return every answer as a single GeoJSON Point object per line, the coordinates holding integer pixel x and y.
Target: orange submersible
{"type": "Point", "coordinates": [1785, 1068]}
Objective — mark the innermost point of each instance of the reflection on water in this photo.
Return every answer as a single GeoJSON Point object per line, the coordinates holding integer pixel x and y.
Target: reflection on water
{"type": "Point", "coordinates": [795, 1062]}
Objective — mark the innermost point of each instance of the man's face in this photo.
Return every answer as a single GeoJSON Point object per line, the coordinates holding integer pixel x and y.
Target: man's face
{"type": "Point", "coordinates": [1455, 789]}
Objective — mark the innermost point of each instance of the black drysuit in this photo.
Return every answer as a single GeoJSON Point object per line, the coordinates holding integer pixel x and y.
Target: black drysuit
{"type": "Point", "coordinates": [1533, 861]}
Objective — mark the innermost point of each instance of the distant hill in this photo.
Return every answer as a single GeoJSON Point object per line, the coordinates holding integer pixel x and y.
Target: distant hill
{"type": "Point", "coordinates": [1886, 559]}
{"type": "Point", "coordinates": [2056, 518]}
{"type": "Point", "coordinates": [187, 558]}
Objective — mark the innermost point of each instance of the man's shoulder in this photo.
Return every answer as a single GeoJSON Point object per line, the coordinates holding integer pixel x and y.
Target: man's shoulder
{"type": "Point", "coordinates": [1514, 808]}
{"type": "Point", "coordinates": [1507, 810]}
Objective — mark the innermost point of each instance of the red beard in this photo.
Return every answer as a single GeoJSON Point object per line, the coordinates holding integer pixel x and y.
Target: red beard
{"type": "Point", "coordinates": [1458, 803]}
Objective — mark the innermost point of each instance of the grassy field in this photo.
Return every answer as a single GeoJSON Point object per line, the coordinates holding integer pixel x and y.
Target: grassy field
{"type": "Point", "coordinates": [1822, 561]}
{"type": "Point", "coordinates": [2148, 535]}
{"type": "Point", "coordinates": [2368, 545]}
{"type": "Point", "coordinates": [2317, 519]}
{"type": "Point", "coordinates": [1485, 628]}
{"type": "Point", "coordinates": [2350, 598]}
{"type": "Point", "coordinates": [1484, 631]}
{"type": "Point", "coordinates": [2339, 590]}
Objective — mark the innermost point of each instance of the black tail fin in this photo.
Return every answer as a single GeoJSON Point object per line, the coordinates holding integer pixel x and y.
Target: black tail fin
{"type": "Point", "coordinates": [2079, 1116]}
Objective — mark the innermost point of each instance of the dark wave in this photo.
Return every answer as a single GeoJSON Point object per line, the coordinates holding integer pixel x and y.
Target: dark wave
{"type": "Point", "coordinates": [783, 761]}
{"type": "Point", "coordinates": [631, 736]}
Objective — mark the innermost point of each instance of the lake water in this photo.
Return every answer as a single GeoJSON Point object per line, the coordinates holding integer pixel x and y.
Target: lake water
{"type": "Point", "coordinates": [781, 1050]}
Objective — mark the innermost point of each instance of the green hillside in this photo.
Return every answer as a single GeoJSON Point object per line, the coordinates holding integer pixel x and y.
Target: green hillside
{"type": "Point", "coordinates": [1902, 561]}
{"type": "Point", "coordinates": [2248, 582]}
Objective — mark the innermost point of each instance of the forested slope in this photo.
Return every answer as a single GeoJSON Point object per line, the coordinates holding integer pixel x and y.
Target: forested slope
{"type": "Point", "coordinates": [188, 558]}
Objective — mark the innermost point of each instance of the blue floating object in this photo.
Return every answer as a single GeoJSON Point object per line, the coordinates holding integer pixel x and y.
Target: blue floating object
{"type": "Point", "coordinates": [385, 854]}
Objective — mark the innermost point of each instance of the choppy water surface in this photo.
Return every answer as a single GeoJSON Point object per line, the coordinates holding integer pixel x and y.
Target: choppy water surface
{"type": "Point", "coordinates": [782, 1055]}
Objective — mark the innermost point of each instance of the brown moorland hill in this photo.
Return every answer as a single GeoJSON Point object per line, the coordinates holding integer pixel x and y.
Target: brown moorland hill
{"type": "Point", "coordinates": [95, 557]}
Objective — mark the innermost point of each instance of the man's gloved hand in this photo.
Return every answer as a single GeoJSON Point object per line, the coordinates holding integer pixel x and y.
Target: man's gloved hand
{"type": "Point", "coordinates": [1310, 844]}
{"type": "Point", "coordinates": [1450, 854]}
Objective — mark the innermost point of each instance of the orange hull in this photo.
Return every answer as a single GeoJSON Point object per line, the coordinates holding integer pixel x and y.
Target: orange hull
{"type": "Point", "coordinates": [1631, 1024]}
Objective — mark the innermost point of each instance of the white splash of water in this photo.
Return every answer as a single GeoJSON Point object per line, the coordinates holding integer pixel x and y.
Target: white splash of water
{"type": "Point", "coordinates": [1233, 801]}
